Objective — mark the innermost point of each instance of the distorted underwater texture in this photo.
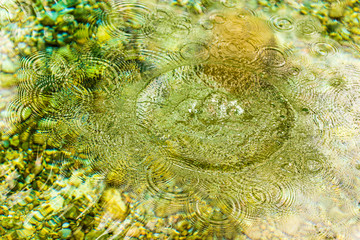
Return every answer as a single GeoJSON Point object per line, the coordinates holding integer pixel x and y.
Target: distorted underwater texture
{"type": "Point", "coordinates": [179, 119]}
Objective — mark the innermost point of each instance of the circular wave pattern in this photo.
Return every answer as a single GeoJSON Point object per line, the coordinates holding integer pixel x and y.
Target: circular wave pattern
{"type": "Point", "coordinates": [201, 120]}
{"type": "Point", "coordinates": [281, 23]}
{"type": "Point", "coordinates": [324, 48]}
{"type": "Point", "coordinates": [123, 16]}
{"type": "Point", "coordinates": [226, 127]}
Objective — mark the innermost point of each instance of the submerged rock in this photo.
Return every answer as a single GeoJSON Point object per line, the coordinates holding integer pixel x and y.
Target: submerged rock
{"type": "Point", "coordinates": [9, 66]}
{"type": "Point", "coordinates": [114, 204]}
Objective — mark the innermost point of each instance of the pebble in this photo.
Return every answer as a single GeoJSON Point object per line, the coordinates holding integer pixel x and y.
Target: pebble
{"type": "Point", "coordinates": [38, 216]}
{"type": "Point", "coordinates": [48, 19]}
{"type": "Point", "coordinates": [78, 234]}
{"type": "Point", "coordinates": [14, 141]}
{"type": "Point", "coordinates": [291, 225]}
{"type": "Point", "coordinates": [355, 30]}
{"type": "Point", "coordinates": [73, 213]}
{"type": "Point", "coordinates": [65, 233]}
{"type": "Point", "coordinates": [336, 10]}
{"type": "Point", "coordinates": [93, 234]}
{"type": "Point", "coordinates": [182, 226]}
{"type": "Point", "coordinates": [24, 233]}
{"type": "Point", "coordinates": [2, 231]}
{"type": "Point", "coordinates": [45, 231]}
{"type": "Point", "coordinates": [27, 51]}
{"type": "Point", "coordinates": [29, 199]}
{"type": "Point", "coordinates": [6, 144]}
{"type": "Point", "coordinates": [8, 66]}
{"type": "Point", "coordinates": [134, 231]}
{"type": "Point", "coordinates": [65, 225]}
{"type": "Point", "coordinates": [114, 204]}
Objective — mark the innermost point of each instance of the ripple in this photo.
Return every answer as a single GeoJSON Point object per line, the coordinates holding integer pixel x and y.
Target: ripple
{"type": "Point", "coordinates": [286, 196]}
{"type": "Point", "coordinates": [101, 74]}
{"type": "Point", "coordinates": [218, 210]}
{"type": "Point", "coordinates": [163, 23]}
{"type": "Point", "coordinates": [18, 113]}
{"type": "Point", "coordinates": [207, 24]}
{"type": "Point", "coordinates": [27, 9]}
{"type": "Point", "coordinates": [134, 15]}
{"type": "Point", "coordinates": [271, 56]}
{"type": "Point", "coordinates": [217, 18]}
{"type": "Point", "coordinates": [281, 23]}
{"type": "Point", "coordinates": [229, 3]}
{"type": "Point", "coordinates": [196, 123]}
{"type": "Point", "coordinates": [324, 48]}
{"type": "Point", "coordinates": [172, 183]}
{"type": "Point", "coordinates": [39, 96]}
{"type": "Point", "coordinates": [196, 52]}
{"type": "Point", "coordinates": [307, 27]}
{"type": "Point", "coordinates": [37, 64]}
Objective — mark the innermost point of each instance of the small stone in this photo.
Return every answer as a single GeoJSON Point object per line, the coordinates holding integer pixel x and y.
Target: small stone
{"type": "Point", "coordinates": [75, 181]}
{"type": "Point", "coordinates": [114, 204]}
{"type": "Point", "coordinates": [48, 36]}
{"type": "Point", "coordinates": [11, 155]}
{"type": "Point", "coordinates": [182, 226]}
{"type": "Point", "coordinates": [93, 234]}
{"type": "Point", "coordinates": [24, 233]}
{"type": "Point", "coordinates": [291, 225]}
{"type": "Point", "coordinates": [78, 235]}
{"type": "Point", "coordinates": [38, 216]}
{"type": "Point", "coordinates": [2, 231]}
{"type": "Point", "coordinates": [46, 20]}
{"type": "Point", "coordinates": [45, 231]}
{"type": "Point", "coordinates": [24, 137]}
{"type": "Point", "coordinates": [8, 223]}
{"type": "Point", "coordinates": [27, 51]}
{"type": "Point", "coordinates": [53, 223]}
{"type": "Point", "coordinates": [88, 221]}
{"type": "Point", "coordinates": [345, 34]}
{"type": "Point", "coordinates": [336, 10]}
{"type": "Point", "coordinates": [65, 233]}
{"type": "Point", "coordinates": [39, 138]}
{"type": "Point", "coordinates": [22, 203]}
{"type": "Point", "coordinates": [61, 39]}
{"type": "Point", "coordinates": [8, 66]}
{"type": "Point", "coordinates": [19, 163]}
{"type": "Point", "coordinates": [355, 30]}
{"type": "Point", "coordinates": [14, 141]}
{"type": "Point", "coordinates": [46, 210]}
{"type": "Point", "coordinates": [29, 178]}
{"type": "Point", "coordinates": [65, 225]}
{"type": "Point", "coordinates": [29, 199]}
{"type": "Point", "coordinates": [41, 44]}
{"type": "Point", "coordinates": [134, 231]}
{"type": "Point", "coordinates": [12, 235]}
{"type": "Point", "coordinates": [6, 144]}
{"type": "Point", "coordinates": [59, 6]}
{"type": "Point", "coordinates": [21, 45]}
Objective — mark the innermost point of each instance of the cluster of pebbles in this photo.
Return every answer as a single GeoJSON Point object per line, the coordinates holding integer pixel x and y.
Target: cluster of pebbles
{"type": "Point", "coordinates": [339, 19]}
{"type": "Point", "coordinates": [48, 193]}
{"type": "Point", "coordinates": [51, 194]}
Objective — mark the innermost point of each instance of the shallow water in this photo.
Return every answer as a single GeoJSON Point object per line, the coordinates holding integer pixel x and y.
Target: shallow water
{"type": "Point", "coordinates": [179, 120]}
